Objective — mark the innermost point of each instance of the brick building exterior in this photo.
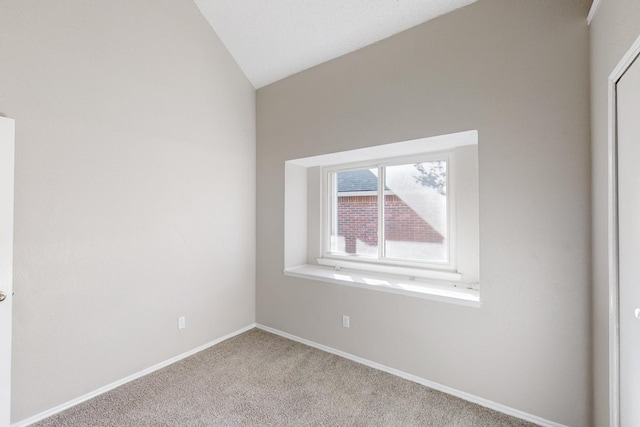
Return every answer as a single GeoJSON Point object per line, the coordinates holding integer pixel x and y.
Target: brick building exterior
{"type": "Point", "coordinates": [358, 214]}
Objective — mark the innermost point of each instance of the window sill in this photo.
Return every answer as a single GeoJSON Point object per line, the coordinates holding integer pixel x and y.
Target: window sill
{"type": "Point", "coordinates": [452, 293]}
{"type": "Point", "coordinates": [394, 271]}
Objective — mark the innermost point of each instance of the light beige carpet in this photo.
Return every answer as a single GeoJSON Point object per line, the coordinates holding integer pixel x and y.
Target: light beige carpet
{"type": "Point", "coordinates": [260, 379]}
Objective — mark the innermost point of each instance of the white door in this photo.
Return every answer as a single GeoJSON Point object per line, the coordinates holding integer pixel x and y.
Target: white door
{"type": "Point", "coordinates": [6, 264]}
{"type": "Point", "coordinates": [628, 129]}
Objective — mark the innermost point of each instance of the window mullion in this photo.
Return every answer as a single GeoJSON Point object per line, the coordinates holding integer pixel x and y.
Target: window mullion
{"type": "Point", "coordinates": [333, 210]}
{"type": "Point", "coordinates": [381, 245]}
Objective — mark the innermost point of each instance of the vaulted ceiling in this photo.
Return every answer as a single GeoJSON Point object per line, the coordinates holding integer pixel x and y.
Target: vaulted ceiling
{"type": "Point", "coordinates": [273, 39]}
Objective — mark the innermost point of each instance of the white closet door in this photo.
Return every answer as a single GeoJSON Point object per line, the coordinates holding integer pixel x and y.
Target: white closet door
{"type": "Point", "coordinates": [6, 263]}
{"type": "Point", "coordinates": [628, 119]}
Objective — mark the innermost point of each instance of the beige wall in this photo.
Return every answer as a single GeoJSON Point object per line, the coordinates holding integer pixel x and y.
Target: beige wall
{"type": "Point", "coordinates": [613, 30]}
{"type": "Point", "coordinates": [135, 190]}
{"type": "Point", "coordinates": [519, 73]}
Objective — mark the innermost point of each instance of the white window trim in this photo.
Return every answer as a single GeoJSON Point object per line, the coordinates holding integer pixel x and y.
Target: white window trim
{"type": "Point", "coordinates": [382, 264]}
{"type": "Point", "coordinates": [300, 241]}
{"type": "Point", "coordinates": [409, 272]}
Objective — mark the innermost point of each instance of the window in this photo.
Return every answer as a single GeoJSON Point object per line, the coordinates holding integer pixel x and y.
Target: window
{"type": "Point", "coordinates": [395, 213]}
{"type": "Point", "coordinates": [399, 217]}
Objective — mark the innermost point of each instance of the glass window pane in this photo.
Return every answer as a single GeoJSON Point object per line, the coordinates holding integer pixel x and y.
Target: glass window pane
{"type": "Point", "coordinates": [415, 211]}
{"type": "Point", "coordinates": [355, 216]}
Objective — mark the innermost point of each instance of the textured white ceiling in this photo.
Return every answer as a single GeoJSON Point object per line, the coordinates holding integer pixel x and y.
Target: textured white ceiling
{"type": "Point", "coordinates": [273, 39]}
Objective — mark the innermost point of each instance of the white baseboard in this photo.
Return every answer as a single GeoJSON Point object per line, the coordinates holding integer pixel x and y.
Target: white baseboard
{"type": "Point", "coordinates": [443, 388]}
{"type": "Point", "coordinates": [461, 394]}
{"type": "Point", "coordinates": [130, 378]}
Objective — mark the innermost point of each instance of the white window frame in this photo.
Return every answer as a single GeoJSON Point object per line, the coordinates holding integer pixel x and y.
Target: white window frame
{"type": "Point", "coordinates": [412, 268]}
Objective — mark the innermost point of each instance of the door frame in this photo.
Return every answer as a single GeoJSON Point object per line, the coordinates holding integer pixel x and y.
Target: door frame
{"type": "Point", "coordinates": [7, 150]}
{"type": "Point", "coordinates": [614, 285]}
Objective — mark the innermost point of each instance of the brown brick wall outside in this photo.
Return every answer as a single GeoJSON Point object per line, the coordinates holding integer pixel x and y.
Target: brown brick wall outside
{"type": "Point", "coordinates": [358, 220]}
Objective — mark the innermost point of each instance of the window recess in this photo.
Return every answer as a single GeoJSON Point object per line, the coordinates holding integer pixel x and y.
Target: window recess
{"type": "Point", "coordinates": [399, 217]}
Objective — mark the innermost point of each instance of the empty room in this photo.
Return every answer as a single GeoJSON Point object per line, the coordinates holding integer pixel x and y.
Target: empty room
{"type": "Point", "coordinates": [251, 212]}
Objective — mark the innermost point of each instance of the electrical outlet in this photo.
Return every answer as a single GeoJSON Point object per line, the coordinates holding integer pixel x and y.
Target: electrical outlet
{"type": "Point", "coordinates": [182, 322]}
{"type": "Point", "coordinates": [345, 321]}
